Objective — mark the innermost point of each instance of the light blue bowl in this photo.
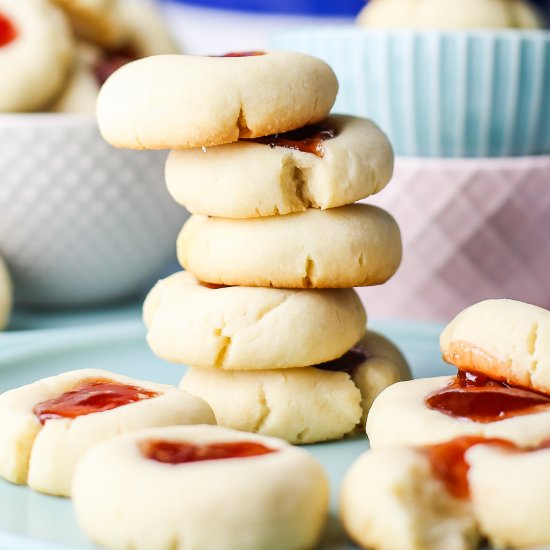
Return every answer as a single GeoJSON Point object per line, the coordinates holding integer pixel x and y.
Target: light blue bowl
{"type": "Point", "coordinates": [482, 93]}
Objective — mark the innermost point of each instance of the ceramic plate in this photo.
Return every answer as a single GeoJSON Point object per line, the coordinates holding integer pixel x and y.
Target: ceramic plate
{"type": "Point", "coordinates": [30, 521]}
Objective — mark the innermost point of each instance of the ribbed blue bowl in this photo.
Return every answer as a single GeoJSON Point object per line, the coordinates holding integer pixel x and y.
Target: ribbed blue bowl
{"type": "Point", "coordinates": [482, 93]}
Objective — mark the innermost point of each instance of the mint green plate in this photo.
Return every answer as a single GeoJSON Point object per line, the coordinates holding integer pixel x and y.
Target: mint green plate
{"type": "Point", "coordinates": [30, 521]}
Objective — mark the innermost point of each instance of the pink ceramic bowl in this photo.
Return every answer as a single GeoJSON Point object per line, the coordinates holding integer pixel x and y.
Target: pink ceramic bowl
{"type": "Point", "coordinates": [472, 229]}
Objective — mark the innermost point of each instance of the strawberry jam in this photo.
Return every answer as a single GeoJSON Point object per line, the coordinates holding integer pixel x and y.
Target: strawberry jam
{"type": "Point", "coordinates": [213, 286]}
{"type": "Point", "coordinates": [476, 397]}
{"type": "Point", "coordinates": [183, 452]}
{"type": "Point", "coordinates": [8, 32]}
{"type": "Point", "coordinates": [243, 54]}
{"type": "Point", "coordinates": [91, 396]}
{"type": "Point", "coordinates": [448, 460]}
{"type": "Point", "coordinates": [111, 61]}
{"type": "Point", "coordinates": [354, 357]}
{"type": "Point", "coordinates": [449, 465]}
{"type": "Point", "coordinates": [309, 139]}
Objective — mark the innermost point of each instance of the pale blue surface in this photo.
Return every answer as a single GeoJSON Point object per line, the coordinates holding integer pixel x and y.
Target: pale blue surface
{"type": "Point", "coordinates": [30, 521]}
{"type": "Point", "coordinates": [440, 93]}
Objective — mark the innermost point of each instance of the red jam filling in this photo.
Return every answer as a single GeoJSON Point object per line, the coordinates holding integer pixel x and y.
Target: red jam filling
{"type": "Point", "coordinates": [111, 62]}
{"type": "Point", "coordinates": [90, 396]}
{"type": "Point", "coordinates": [182, 452]}
{"type": "Point", "coordinates": [309, 139]}
{"type": "Point", "coordinates": [213, 286]}
{"type": "Point", "coordinates": [8, 32]}
{"type": "Point", "coordinates": [354, 357]}
{"type": "Point", "coordinates": [477, 397]}
{"type": "Point", "coordinates": [449, 464]}
{"type": "Point", "coordinates": [243, 54]}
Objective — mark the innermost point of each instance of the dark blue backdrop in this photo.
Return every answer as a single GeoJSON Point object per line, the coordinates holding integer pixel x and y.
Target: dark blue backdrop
{"type": "Point", "coordinates": [307, 7]}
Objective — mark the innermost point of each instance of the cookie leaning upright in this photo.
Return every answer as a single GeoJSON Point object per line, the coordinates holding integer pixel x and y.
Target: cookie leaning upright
{"type": "Point", "coordinates": [176, 101]}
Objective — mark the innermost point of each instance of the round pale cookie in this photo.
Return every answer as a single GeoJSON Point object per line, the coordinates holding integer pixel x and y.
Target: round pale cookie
{"type": "Point", "coordinates": [248, 179]}
{"type": "Point", "coordinates": [354, 245]}
{"type": "Point", "coordinates": [510, 494]}
{"type": "Point", "coordinates": [178, 101]}
{"type": "Point", "coordinates": [303, 405]}
{"type": "Point", "coordinates": [383, 364]}
{"type": "Point", "coordinates": [6, 295]}
{"type": "Point", "coordinates": [42, 449]}
{"type": "Point", "coordinates": [391, 499]}
{"type": "Point", "coordinates": [249, 328]}
{"type": "Point", "coordinates": [36, 53]}
{"type": "Point", "coordinates": [257, 502]}
{"type": "Point", "coordinates": [504, 339]}
{"type": "Point", "coordinates": [98, 21]}
{"type": "Point", "coordinates": [147, 33]}
{"type": "Point", "coordinates": [449, 14]}
{"type": "Point", "coordinates": [400, 416]}
{"type": "Point", "coordinates": [80, 94]}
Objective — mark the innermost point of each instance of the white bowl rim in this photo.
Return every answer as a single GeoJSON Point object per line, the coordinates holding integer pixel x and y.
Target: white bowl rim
{"type": "Point", "coordinates": [71, 120]}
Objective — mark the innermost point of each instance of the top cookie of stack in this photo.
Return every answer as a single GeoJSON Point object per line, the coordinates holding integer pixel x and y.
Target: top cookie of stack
{"type": "Point", "coordinates": [240, 107]}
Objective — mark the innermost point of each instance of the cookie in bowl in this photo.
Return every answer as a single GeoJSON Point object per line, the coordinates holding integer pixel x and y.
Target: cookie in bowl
{"type": "Point", "coordinates": [36, 54]}
{"type": "Point", "coordinates": [47, 426]}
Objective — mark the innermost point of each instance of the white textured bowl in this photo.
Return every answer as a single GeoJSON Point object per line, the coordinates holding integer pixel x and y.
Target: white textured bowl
{"type": "Point", "coordinates": [80, 221]}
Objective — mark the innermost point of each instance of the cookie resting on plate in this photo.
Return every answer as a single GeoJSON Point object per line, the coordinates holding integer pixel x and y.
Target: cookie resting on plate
{"type": "Point", "coordinates": [47, 426]}
{"type": "Point", "coordinates": [200, 487]}
{"type": "Point", "coordinates": [303, 405]}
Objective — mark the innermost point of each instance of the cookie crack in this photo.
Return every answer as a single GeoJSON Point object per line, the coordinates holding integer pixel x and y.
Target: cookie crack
{"type": "Point", "coordinates": [532, 339]}
{"type": "Point", "coordinates": [269, 309]}
{"type": "Point", "coordinates": [265, 410]}
{"type": "Point", "coordinates": [224, 344]}
{"type": "Point", "coordinates": [307, 279]}
{"type": "Point", "coordinates": [242, 124]}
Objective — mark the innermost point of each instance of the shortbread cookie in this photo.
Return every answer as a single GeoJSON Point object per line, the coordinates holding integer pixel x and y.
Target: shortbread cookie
{"type": "Point", "coordinates": [146, 31]}
{"type": "Point", "coordinates": [44, 430]}
{"type": "Point", "coordinates": [390, 498]}
{"type": "Point", "coordinates": [354, 245]}
{"type": "Point", "coordinates": [36, 54]}
{"type": "Point", "coordinates": [400, 415]}
{"type": "Point", "coordinates": [449, 496]}
{"type": "Point", "coordinates": [250, 328]}
{"type": "Point", "coordinates": [304, 405]}
{"type": "Point", "coordinates": [381, 366]}
{"type": "Point", "coordinates": [510, 494]}
{"type": "Point", "coordinates": [248, 179]}
{"type": "Point", "coordinates": [96, 20]}
{"type": "Point", "coordinates": [200, 487]}
{"type": "Point", "coordinates": [175, 102]}
{"type": "Point", "coordinates": [504, 339]}
{"type": "Point", "coordinates": [6, 294]}
{"type": "Point", "coordinates": [80, 94]}
{"type": "Point", "coordinates": [449, 14]}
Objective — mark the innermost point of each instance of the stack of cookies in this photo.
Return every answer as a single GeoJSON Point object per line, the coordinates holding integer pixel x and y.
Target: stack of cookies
{"type": "Point", "coordinates": [265, 313]}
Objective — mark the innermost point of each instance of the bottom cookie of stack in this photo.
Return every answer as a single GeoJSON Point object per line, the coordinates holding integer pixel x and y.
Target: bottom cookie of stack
{"type": "Point", "coordinates": [294, 364]}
